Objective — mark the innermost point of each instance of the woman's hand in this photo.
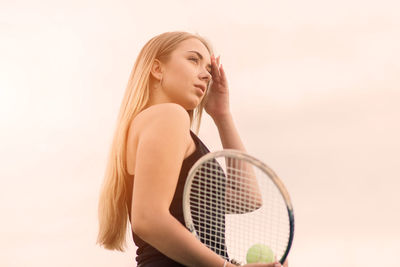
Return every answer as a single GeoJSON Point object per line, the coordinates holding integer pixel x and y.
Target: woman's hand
{"type": "Point", "coordinates": [217, 101]}
{"type": "Point", "coordinates": [272, 264]}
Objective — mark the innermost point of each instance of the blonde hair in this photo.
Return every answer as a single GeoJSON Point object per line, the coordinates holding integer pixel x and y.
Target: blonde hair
{"type": "Point", "coordinates": [113, 211]}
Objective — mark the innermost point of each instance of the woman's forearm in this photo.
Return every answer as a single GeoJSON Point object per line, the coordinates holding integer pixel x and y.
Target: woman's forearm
{"type": "Point", "coordinates": [171, 238]}
{"type": "Point", "coordinates": [228, 133]}
{"type": "Point", "coordinates": [230, 139]}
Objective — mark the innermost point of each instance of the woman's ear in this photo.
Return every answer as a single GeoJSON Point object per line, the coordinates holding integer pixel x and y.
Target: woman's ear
{"type": "Point", "coordinates": [156, 69]}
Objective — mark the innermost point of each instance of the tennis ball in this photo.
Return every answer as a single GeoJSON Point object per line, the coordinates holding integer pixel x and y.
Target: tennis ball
{"type": "Point", "coordinates": [260, 253]}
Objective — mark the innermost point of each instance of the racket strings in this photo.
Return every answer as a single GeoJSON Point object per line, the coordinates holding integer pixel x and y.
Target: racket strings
{"type": "Point", "coordinates": [208, 207]}
{"type": "Point", "coordinates": [235, 205]}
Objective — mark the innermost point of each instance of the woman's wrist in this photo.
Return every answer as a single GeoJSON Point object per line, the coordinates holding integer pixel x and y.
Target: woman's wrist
{"type": "Point", "coordinates": [222, 119]}
{"type": "Point", "coordinates": [228, 264]}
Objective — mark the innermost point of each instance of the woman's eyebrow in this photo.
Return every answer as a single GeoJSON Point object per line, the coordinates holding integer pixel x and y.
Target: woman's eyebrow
{"type": "Point", "coordinates": [200, 56]}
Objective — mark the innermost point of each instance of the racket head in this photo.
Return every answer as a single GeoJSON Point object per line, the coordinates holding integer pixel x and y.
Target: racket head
{"type": "Point", "coordinates": [224, 210]}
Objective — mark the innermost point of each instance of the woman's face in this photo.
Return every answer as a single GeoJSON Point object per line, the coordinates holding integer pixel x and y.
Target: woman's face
{"type": "Point", "coordinates": [187, 73]}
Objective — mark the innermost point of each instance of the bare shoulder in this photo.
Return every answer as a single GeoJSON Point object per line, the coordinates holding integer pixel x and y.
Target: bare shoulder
{"type": "Point", "coordinates": [161, 117]}
{"type": "Point", "coordinates": [167, 112]}
{"type": "Point", "coordinates": [167, 122]}
{"type": "Point", "coordinates": [156, 128]}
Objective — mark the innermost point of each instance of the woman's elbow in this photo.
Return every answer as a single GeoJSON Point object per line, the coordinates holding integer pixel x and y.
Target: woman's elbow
{"type": "Point", "coordinates": [146, 222]}
{"type": "Point", "coordinates": [137, 226]}
{"type": "Point", "coordinates": [141, 222]}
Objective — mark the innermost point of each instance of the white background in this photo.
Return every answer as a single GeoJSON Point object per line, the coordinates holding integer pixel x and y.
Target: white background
{"type": "Point", "coordinates": [315, 92]}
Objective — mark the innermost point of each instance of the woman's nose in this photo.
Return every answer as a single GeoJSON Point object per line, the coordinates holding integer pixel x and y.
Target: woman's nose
{"type": "Point", "coordinates": [206, 76]}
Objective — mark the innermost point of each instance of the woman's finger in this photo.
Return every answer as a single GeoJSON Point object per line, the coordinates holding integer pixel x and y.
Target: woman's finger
{"type": "Point", "coordinates": [223, 80]}
{"type": "Point", "coordinates": [214, 69]}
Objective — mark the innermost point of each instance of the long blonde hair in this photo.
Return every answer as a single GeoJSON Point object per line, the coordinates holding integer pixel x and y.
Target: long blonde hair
{"type": "Point", "coordinates": [113, 211]}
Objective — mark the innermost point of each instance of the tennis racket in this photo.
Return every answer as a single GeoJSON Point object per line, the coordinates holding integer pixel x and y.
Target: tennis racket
{"type": "Point", "coordinates": [232, 201]}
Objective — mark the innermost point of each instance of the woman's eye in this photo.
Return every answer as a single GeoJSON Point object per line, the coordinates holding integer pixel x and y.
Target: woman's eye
{"type": "Point", "coordinates": [194, 59]}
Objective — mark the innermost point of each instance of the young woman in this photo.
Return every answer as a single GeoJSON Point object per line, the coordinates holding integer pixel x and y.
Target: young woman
{"type": "Point", "coordinates": [174, 78]}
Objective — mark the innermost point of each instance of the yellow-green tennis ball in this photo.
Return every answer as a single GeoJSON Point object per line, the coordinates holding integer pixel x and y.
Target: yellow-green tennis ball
{"type": "Point", "coordinates": [259, 253]}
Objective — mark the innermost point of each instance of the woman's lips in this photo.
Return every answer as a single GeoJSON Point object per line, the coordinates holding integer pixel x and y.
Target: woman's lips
{"type": "Point", "coordinates": [202, 87]}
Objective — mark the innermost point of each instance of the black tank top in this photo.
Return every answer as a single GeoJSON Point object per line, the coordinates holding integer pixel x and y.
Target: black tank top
{"type": "Point", "coordinates": [146, 255]}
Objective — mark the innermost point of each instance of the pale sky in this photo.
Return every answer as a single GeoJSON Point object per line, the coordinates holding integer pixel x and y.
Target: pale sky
{"type": "Point", "coordinates": [315, 92]}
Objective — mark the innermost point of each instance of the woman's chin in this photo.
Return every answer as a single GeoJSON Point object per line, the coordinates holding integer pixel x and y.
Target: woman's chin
{"type": "Point", "coordinates": [192, 103]}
